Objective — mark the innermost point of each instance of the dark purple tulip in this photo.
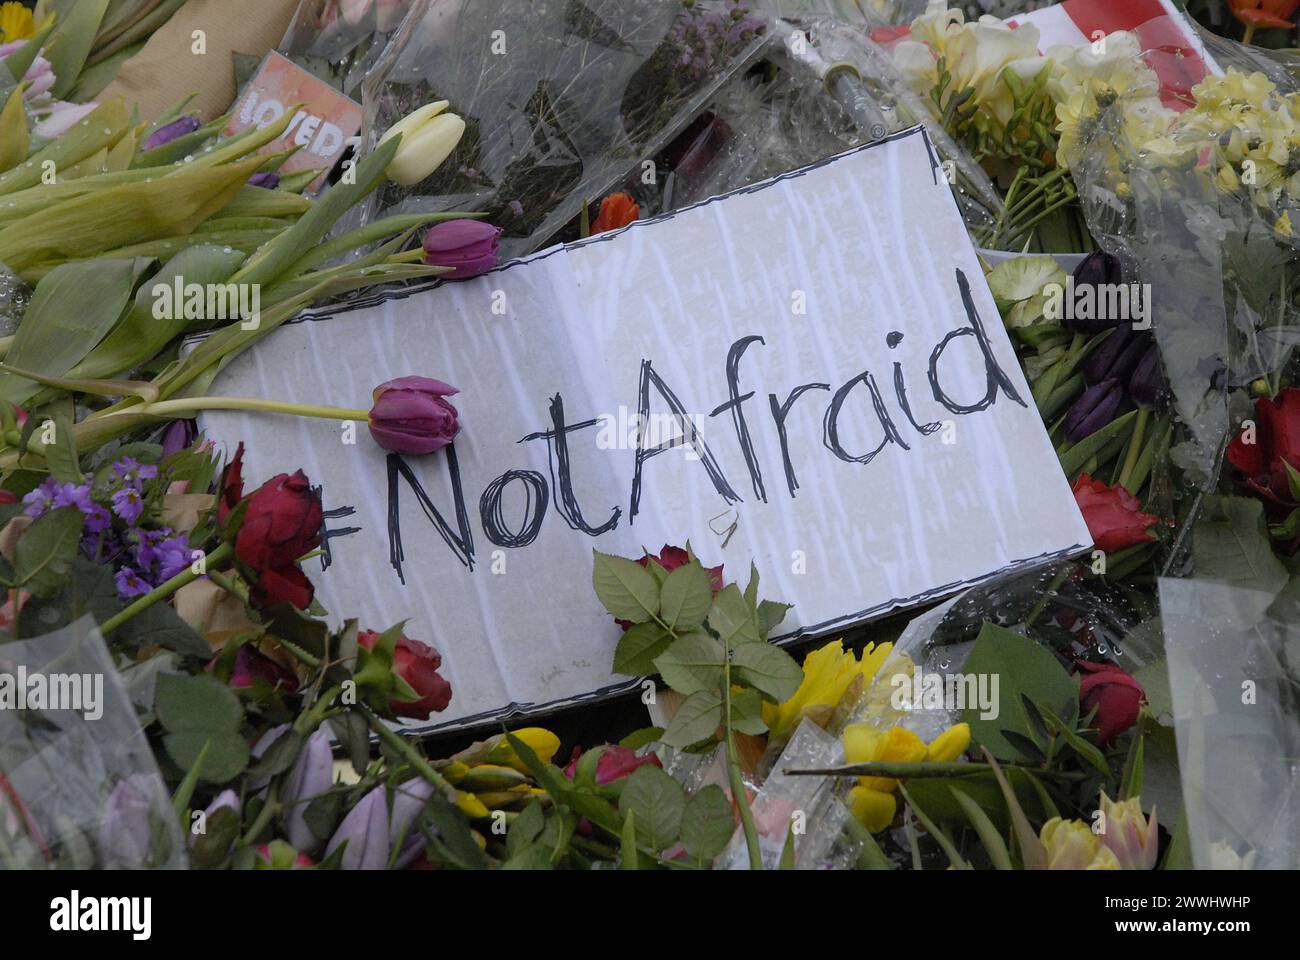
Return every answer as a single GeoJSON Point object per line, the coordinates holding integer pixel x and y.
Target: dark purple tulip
{"type": "Point", "coordinates": [172, 131]}
{"type": "Point", "coordinates": [1092, 411]}
{"type": "Point", "coordinates": [1098, 269]}
{"type": "Point", "coordinates": [267, 181]}
{"type": "Point", "coordinates": [469, 247]}
{"type": "Point", "coordinates": [1147, 386]}
{"type": "Point", "coordinates": [1117, 356]}
{"type": "Point", "coordinates": [412, 415]}
{"type": "Point", "coordinates": [178, 437]}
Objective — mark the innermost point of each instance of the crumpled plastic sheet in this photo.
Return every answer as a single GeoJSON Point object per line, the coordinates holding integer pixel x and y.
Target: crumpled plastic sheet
{"type": "Point", "coordinates": [1234, 670]}
{"type": "Point", "coordinates": [341, 41]}
{"type": "Point", "coordinates": [1223, 283]}
{"type": "Point", "coordinates": [563, 99]}
{"type": "Point", "coordinates": [79, 790]}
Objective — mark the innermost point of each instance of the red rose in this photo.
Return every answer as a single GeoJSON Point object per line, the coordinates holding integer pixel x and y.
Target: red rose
{"type": "Point", "coordinates": [250, 664]}
{"type": "Point", "coordinates": [282, 523]}
{"type": "Point", "coordinates": [1113, 515]}
{"type": "Point", "coordinates": [614, 763]}
{"type": "Point", "coordinates": [670, 558]}
{"type": "Point", "coordinates": [1276, 444]}
{"type": "Point", "coordinates": [1115, 694]}
{"type": "Point", "coordinates": [417, 663]}
{"type": "Point", "coordinates": [7, 498]}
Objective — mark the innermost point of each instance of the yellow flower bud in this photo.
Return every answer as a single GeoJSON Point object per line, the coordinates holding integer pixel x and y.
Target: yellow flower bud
{"type": "Point", "coordinates": [471, 806]}
{"type": "Point", "coordinates": [428, 137]}
{"type": "Point", "coordinates": [949, 745]}
{"type": "Point", "coordinates": [541, 741]}
{"type": "Point", "coordinates": [1071, 845]}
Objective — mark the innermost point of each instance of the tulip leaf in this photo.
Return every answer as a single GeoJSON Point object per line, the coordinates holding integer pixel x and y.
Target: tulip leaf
{"type": "Point", "coordinates": [657, 803]}
{"type": "Point", "coordinates": [13, 130]}
{"type": "Point", "coordinates": [994, 845]}
{"type": "Point", "coordinates": [71, 311]}
{"type": "Point", "coordinates": [767, 668]}
{"type": "Point", "coordinates": [72, 41]}
{"type": "Point", "coordinates": [21, 60]}
{"type": "Point", "coordinates": [685, 597]}
{"type": "Point", "coordinates": [1023, 668]}
{"type": "Point", "coordinates": [45, 552]}
{"type": "Point", "coordinates": [693, 663]}
{"type": "Point", "coordinates": [102, 127]}
{"type": "Point", "coordinates": [707, 823]}
{"type": "Point", "coordinates": [696, 719]}
{"type": "Point", "coordinates": [627, 589]}
{"type": "Point", "coordinates": [1074, 459]}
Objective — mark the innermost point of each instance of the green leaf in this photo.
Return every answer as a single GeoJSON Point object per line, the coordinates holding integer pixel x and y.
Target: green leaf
{"type": "Point", "coordinates": [732, 618]}
{"type": "Point", "coordinates": [1231, 544]}
{"type": "Point", "coordinates": [657, 802]}
{"type": "Point", "coordinates": [988, 834]}
{"type": "Point", "coordinates": [770, 615]}
{"type": "Point", "coordinates": [61, 454]}
{"type": "Point", "coordinates": [72, 41]}
{"type": "Point", "coordinates": [161, 626]}
{"type": "Point", "coordinates": [695, 720]}
{"type": "Point", "coordinates": [686, 597]}
{"type": "Point", "coordinates": [1023, 668]}
{"type": "Point", "coordinates": [747, 713]}
{"type": "Point", "coordinates": [196, 703]}
{"type": "Point", "coordinates": [628, 590]}
{"type": "Point", "coordinates": [226, 757]}
{"type": "Point", "coordinates": [638, 647]}
{"type": "Point", "coordinates": [692, 664]}
{"type": "Point", "coordinates": [787, 851]}
{"type": "Point", "coordinates": [767, 668]}
{"type": "Point", "coordinates": [707, 823]}
{"type": "Point", "coordinates": [639, 738]}
{"type": "Point", "coordinates": [72, 309]}
{"type": "Point", "coordinates": [1074, 459]}
{"type": "Point", "coordinates": [628, 856]}
{"type": "Point", "coordinates": [46, 550]}
{"type": "Point", "coordinates": [1079, 745]}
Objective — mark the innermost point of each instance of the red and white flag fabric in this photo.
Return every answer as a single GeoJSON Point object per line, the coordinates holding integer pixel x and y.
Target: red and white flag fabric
{"type": "Point", "coordinates": [1169, 41]}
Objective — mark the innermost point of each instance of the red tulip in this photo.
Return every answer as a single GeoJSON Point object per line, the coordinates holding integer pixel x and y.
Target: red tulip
{"type": "Point", "coordinates": [1276, 444]}
{"type": "Point", "coordinates": [1264, 13]}
{"type": "Point", "coordinates": [412, 415]}
{"type": "Point", "coordinates": [417, 663]}
{"type": "Point", "coordinates": [1113, 515]}
{"type": "Point", "coordinates": [1116, 696]}
{"type": "Point", "coordinates": [617, 210]}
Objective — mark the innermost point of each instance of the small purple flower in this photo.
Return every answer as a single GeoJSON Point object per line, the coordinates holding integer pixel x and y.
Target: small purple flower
{"type": "Point", "coordinates": [41, 500]}
{"type": "Point", "coordinates": [97, 519]}
{"type": "Point", "coordinates": [128, 504]}
{"type": "Point", "coordinates": [74, 495]}
{"type": "Point", "coordinates": [172, 131]}
{"type": "Point", "coordinates": [130, 584]}
{"type": "Point", "coordinates": [132, 471]}
{"type": "Point", "coordinates": [173, 557]}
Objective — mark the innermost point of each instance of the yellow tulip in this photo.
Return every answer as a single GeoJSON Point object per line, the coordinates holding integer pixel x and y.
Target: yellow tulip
{"type": "Point", "coordinates": [1071, 845]}
{"type": "Point", "coordinates": [1128, 834]}
{"type": "Point", "coordinates": [828, 674]}
{"type": "Point", "coordinates": [429, 135]}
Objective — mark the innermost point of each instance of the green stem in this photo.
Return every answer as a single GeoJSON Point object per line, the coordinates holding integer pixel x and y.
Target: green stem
{"type": "Point", "coordinates": [170, 408]}
{"type": "Point", "coordinates": [186, 576]}
{"type": "Point", "coordinates": [733, 770]}
{"type": "Point", "coordinates": [1249, 36]}
{"type": "Point", "coordinates": [1134, 448]}
{"type": "Point", "coordinates": [407, 752]}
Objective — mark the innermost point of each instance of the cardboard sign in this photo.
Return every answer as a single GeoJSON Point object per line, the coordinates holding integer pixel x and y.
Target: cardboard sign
{"type": "Point", "coordinates": [809, 373]}
{"type": "Point", "coordinates": [321, 128]}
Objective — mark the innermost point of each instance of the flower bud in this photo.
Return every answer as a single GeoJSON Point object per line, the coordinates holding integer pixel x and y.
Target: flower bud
{"type": "Point", "coordinates": [1147, 386]}
{"type": "Point", "coordinates": [312, 775]}
{"type": "Point", "coordinates": [1097, 270]}
{"type": "Point", "coordinates": [365, 831]}
{"type": "Point", "coordinates": [1094, 410]}
{"type": "Point", "coordinates": [171, 131]}
{"type": "Point", "coordinates": [1128, 834]}
{"type": "Point", "coordinates": [468, 247]}
{"type": "Point", "coordinates": [411, 415]}
{"type": "Point", "coordinates": [428, 137]}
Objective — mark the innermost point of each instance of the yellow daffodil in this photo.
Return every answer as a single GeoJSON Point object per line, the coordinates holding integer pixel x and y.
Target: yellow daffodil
{"type": "Point", "coordinates": [15, 22]}
{"type": "Point", "coordinates": [542, 742]}
{"type": "Point", "coordinates": [829, 674]}
{"type": "Point", "coordinates": [1128, 834]}
{"type": "Point", "coordinates": [1071, 845]}
{"type": "Point", "coordinates": [872, 799]}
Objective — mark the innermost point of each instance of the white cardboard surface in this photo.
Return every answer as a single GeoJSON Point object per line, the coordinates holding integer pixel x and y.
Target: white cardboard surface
{"type": "Point", "coordinates": [870, 242]}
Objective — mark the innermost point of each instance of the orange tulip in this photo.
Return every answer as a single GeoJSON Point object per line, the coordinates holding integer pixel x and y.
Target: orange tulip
{"type": "Point", "coordinates": [619, 209]}
{"type": "Point", "coordinates": [1263, 13]}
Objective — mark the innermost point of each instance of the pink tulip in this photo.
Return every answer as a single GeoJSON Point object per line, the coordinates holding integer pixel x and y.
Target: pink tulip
{"type": "Point", "coordinates": [469, 247]}
{"type": "Point", "coordinates": [412, 415]}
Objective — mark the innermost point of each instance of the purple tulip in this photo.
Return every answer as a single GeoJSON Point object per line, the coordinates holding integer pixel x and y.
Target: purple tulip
{"type": "Point", "coordinates": [412, 415]}
{"type": "Point", "coordinates": [177, 437]}
{"type": "Point", "coordinates": [1147, 386]}
{"type": "Point", "coordinates": [408, 800]}
{"type": "Point", "coordinates": [267, 181]}
{"type": "Point", "coordinates": [1116, 356]}
{"type": "Point", "coordinates": [1098, 269]}
{"type": "Point", "coordinates": [1092, 411]}
{"type": "Point", "coordinates": [469, 247]}
{"type": "Point", "coordinates": [311, 776]}
{"type": "Point", "coordinates": [365, 830]}
{"type": "Point", "coordinates": [126, 832]}
{"type": "Point", "coordinates": [172, 131]}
